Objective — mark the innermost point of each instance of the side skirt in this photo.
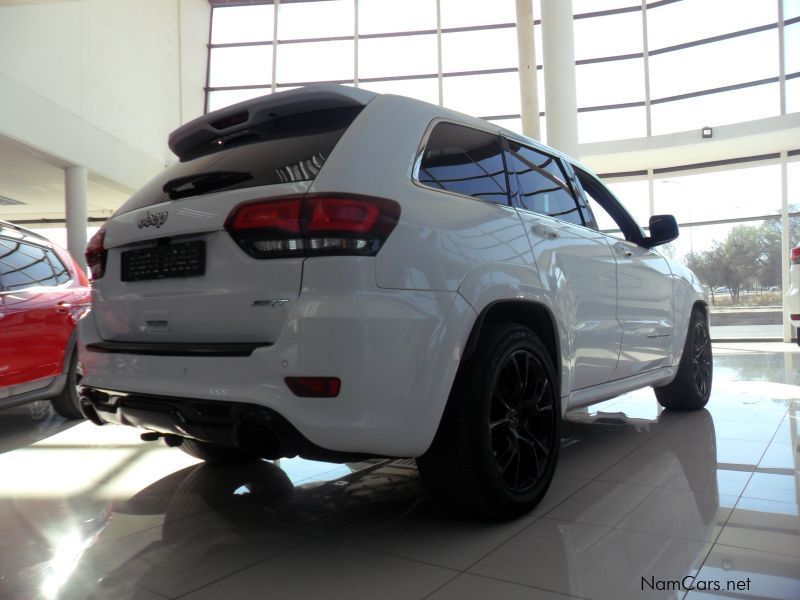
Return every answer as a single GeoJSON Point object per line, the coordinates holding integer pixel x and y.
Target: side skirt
{"type": "Point", "coordinates": [611, 389]}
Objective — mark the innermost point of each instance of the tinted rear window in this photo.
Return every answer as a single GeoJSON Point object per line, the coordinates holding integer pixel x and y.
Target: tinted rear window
{"type": "Point", "coordinates": [283, 150]}
{"type": "Point", "coordinates": [466, 161]}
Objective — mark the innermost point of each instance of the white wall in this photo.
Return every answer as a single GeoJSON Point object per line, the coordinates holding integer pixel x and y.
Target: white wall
{"type": "Point", "coordinates": [100, 83]}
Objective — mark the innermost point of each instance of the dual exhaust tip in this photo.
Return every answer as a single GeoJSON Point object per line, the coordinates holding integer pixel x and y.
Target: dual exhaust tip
{"type": "Point", "coordinates": [257, 432]}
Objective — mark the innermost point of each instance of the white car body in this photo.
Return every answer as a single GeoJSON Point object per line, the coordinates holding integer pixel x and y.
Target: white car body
{"type": "Point", "coordinates": [393, 327]}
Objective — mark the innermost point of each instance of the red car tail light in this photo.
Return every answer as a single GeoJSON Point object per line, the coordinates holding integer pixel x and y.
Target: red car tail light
{"type": "Point", "coordinates": [314, 225]}
{"type": "Point", "coordinates": [96, 254]}
{"type": "Point", "coordinates": [795, 256]}
{"type": "Point", "coordinates": [314, 387]}
{"type": "Point", "coordinates": [280, 216]}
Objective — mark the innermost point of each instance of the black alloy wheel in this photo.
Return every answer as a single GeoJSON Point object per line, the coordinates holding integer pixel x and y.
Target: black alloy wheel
{"type": "Point", "coordinates": [691, 388]}
{"type": "Point", "coordinates": [497, 446]}
{"type": "Point", "coordinates": [522, 421]}
{"type": "Point", "coordinates": [701, 358]}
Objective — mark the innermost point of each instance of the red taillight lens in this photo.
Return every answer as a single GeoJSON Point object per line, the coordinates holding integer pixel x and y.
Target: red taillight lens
{"type": "Point", "coordinates": [280, 215]}
{"type": "Point", "coordinates": [314, 387]}
{"type": "Point", "coordinates": [96, 254]}
{"type": "Point", "coordinates": [795, 256]}
{"type": "Point", "coordinates": [342, 214]}
{"type": "Point", "coordinates": [313, 225]}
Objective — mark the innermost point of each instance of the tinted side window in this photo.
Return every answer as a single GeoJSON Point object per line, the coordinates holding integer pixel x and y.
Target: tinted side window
{"type": "Point", "coordinates": [464, 160]}
{"type": "Point", "coordinates": [543, 186]}
{"type": "Point", "coordinates": [23, 265]}
{"type": "Point", "coordinates": [61, 272]}
{"type": "Point", "coordinates": [609, 217]}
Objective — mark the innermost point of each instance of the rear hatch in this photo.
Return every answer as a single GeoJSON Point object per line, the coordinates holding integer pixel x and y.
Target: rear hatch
{"type": "Point", "coordinates": [171, 272]}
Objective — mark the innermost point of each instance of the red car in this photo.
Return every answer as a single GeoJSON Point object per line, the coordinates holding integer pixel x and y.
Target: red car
{"type": "Point", "coordinates": [43, 293]}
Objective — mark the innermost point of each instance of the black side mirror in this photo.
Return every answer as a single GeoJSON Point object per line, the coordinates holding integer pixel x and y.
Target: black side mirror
{"type": "Point", "coordinates": [663, 229]}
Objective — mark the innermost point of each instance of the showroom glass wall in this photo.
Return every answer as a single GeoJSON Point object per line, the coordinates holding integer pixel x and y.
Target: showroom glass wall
{"type": "Point", "coordinates": [676, 65]}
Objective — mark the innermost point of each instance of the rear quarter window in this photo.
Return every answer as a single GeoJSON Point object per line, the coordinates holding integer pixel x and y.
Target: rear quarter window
{"type": "Point", "coordinates": [465, 161]}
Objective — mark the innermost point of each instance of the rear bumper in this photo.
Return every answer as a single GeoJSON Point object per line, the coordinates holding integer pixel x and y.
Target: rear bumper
{"type": "Point", "coordinates": [254, 428]}
{"type": "Point", "coordinates": [395, 351]}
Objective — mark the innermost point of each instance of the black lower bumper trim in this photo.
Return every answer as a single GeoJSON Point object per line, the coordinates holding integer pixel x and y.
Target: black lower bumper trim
{"type": "Point", "coordinates": [177, 349]}
{"type": "Point", "coordinates": [256, 428]}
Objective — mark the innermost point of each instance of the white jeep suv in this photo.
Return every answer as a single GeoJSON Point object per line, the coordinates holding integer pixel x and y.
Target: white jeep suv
{"type": "Point", "coordinates": [330, 273]}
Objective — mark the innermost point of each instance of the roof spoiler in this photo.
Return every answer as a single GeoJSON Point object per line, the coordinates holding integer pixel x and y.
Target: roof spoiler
{"type": "Point", "coordinates": [227, 122]}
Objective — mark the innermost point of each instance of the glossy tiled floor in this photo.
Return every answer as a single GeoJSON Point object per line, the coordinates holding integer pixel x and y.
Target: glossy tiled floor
{"type": "Point", "coordinates": [642, 498]}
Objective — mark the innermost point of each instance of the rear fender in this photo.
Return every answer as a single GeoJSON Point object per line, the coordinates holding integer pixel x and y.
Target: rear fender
{"type": "Point", "coordinates": [490, 286]}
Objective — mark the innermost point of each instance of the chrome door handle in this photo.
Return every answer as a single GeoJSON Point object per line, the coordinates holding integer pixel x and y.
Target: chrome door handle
{"type": "Point", "coordinates": [546, 231]}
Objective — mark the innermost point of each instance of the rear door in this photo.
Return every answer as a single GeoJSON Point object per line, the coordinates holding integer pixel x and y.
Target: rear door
{"type": "Point", "coordinates": [173, 272]}
{"type": "Point", "coordinates": [575, 262]}
{"type": "Point", "coordinates": [36, 322]}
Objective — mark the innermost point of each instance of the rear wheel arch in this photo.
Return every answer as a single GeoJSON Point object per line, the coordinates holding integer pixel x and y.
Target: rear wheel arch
{"type": "Point", "coordinates": [535, 316]}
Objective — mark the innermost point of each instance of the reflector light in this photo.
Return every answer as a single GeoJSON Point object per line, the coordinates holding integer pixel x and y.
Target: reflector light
{"type": "Point", "coordinates": [795, 256]}
{"type": "Point", "coordinates": [314, 387]}
{"type": "Point", "coordinates": [96, 254]}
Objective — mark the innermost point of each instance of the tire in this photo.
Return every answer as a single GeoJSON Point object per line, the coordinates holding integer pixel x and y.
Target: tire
{"type": "Point", "coordinates": [497, 446]}
{"type": "Point", "coordinates": [215, 454]}
{"type": "Point", "coordinates": [66, 403]}
{"type": "Point", "coordinates": [691, 388]}
{"type": "Point", "coordinates": [39, 410]}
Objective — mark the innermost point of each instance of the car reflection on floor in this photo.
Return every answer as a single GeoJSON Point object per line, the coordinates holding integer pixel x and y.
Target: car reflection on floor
{"type": "Point", "coordinates": [27, 424]}
{"type": "Point", "coordinates": [639, 493]}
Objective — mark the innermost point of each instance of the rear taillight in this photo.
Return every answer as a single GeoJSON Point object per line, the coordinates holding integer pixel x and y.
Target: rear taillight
{"type": "Point", "coordinates": [795, 256]}
{"type": "Point", "coordinates": [96, 254]}
{"type": "Point", "coordinates": [313, 225]}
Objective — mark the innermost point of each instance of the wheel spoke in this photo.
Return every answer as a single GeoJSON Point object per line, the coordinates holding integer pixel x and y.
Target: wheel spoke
{"type": "Point", "coordinates": [538, 453]}
{"type": "Point", "coordinates": [495, 424]}
{"type": "Point", "coordinates": [513, 451]}
{"type": "Point", "coordinates": [540, 391]}
{"type": "Point", "coordinates": [535, 443]}
{"type": "Point", "coordinates": [518, 470]}
{"type": "Point", "coordinates": [521, 378]}
{"type": "Point", "coordinates": [496, 396]}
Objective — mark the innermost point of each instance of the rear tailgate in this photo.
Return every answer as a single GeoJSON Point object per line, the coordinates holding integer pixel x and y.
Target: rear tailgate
{"type": "Point", "coordinates": [211, 291]}
{"type": "Point", "coordinates": [173, 273]}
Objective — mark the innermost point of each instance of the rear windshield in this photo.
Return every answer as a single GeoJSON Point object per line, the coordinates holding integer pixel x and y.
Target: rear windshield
{"type": "Point", "coordinates": [292, 148]}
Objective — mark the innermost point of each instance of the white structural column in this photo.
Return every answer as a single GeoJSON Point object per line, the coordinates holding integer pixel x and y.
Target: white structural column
{"type": "Point", "coordinates": [528, 85]}
{"type": "Point", "coordinates": [75, 203]}
{"type": "Point", "coordinates": [561, 104]}
{"type": "Point", "coordinates": [785, 246]}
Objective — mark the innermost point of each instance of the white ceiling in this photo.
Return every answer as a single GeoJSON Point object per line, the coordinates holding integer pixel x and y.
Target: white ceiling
{"type": "Point", "coordinates": [37, 180]}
